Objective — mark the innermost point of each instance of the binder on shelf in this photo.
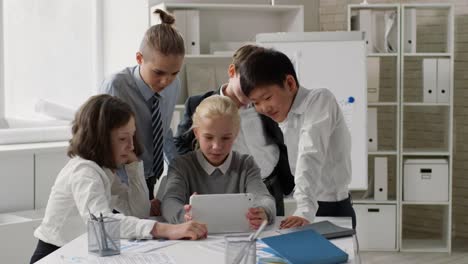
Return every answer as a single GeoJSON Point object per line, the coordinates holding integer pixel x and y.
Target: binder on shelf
{"type": "Point", "coordinates": [188, 24]}
{"type": "Point", "coordinates": [378, 32]}
{"type": "Point", "coordinates": [364, 23]}
{"type": "Point", "coordinates": [325, 228]}
{"type": "Point", "coordinates": [443, 80]}
{"type": "Point", "coordinates": [410, 30]}
{"type": "Point", "coordinates": [373, 79]}
{"type": "Point", "coordinates": [372, 129]}
{"type": "Point", "coordinates": [429, 80]}
{"type": "Point", "coordinates": [380, 179]}
{"type": "Point", "coordinates": [193, 31]}
{"type": "Point", "coordinates": [306, 246]}
{"type": "Point", "coordinates": [180, 24]}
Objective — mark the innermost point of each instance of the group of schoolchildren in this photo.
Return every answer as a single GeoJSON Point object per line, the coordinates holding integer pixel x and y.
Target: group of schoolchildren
{"type": "Point", "coordinates": [260, 133]}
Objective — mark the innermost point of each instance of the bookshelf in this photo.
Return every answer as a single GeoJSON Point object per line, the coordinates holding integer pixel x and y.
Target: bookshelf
{"type": "Point", "coordinates": [377, 208]}
{"type": "Point", "coordinates": [423, 73]}
{"type": "Point", "coordinates": [211, 33]}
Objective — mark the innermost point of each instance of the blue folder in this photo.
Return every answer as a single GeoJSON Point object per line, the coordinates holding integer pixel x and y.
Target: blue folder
{"type": "Point", "coordinates": [306, 247]}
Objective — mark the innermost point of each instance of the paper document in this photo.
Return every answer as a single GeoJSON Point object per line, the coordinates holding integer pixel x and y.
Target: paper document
{"type": "Point", "coordinates": [143, 246]}
{"type": "Point", "coordinates": [219, 246]}
{"type": "Point", "coordinates": [153, 258]}
{"type": "Point", "coordinates": [214, 246]}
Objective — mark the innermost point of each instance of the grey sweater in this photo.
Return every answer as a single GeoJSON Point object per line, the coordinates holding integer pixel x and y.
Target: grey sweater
{"type": "Point", "coordinates": [186, 176]}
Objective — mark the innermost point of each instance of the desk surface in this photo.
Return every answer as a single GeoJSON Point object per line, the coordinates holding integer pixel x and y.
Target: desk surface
{"type": "Point", "coordinates": [193, 251]}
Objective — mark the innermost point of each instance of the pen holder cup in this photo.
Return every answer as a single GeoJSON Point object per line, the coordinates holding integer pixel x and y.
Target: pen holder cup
{"type": "Point", "coordinates": [104, 237]}
{"type": "Point", "coordinates": [240, 244]}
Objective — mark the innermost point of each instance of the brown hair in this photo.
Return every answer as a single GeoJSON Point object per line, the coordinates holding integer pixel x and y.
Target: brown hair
{"type": "Point", "coordinates": [162, 37]}
{"type": "Point", "coordinates": [92, 127]}
{"type": "Point", "coordinates": [243, 53]}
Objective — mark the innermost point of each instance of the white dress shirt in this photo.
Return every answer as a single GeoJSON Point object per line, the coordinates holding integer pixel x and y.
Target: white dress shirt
{"type": "Point", "coordinates": [319, 150]}
{"type": "Point", "coordinates": [252, 140]}
{"type": "Point", "coordinates": [83, 184]}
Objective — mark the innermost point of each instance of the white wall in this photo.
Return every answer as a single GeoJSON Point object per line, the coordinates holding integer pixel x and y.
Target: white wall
{"type": "Point", "coordinates": [124, 24]}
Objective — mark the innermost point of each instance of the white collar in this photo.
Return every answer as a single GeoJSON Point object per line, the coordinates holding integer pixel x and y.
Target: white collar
{"type": "Point", "coordinates": [210, 168]}
{"type": "Point", "coordinates": [299, 105]}
{"type": "Point", "coordinates": [221, 89]}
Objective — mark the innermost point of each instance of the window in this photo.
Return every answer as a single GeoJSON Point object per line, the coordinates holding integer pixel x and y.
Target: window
{"type": "Point", "coordinates": [49, 53]}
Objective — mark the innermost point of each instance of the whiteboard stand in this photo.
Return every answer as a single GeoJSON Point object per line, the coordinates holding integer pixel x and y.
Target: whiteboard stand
{"type": "Point", "coordinates": [319, 57]}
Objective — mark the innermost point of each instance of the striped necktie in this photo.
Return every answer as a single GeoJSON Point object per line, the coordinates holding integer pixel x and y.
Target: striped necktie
{"type": "Point", "coordinates": [156, 124]}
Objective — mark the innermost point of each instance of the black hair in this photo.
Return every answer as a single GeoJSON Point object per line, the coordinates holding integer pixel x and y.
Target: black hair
{"type": "Point", "coordinates": [265, 67]}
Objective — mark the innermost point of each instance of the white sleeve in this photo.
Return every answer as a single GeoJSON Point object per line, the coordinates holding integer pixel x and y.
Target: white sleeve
{"type": "Point", "coordinates": [313, 146]}
{"type": "Point", "coordinates": [91, 191]}
{"type": "Point", "coordinates": [132, 199]}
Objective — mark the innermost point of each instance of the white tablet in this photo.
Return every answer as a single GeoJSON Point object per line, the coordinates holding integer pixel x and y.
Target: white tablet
{"type": "Point", "coordinates": [222, 213]}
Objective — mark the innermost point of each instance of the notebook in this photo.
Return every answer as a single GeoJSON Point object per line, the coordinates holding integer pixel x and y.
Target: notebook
{"type": "Point", "coordinates": [306, 247]}
{"type": "Point", "coordinates": [324, 228]}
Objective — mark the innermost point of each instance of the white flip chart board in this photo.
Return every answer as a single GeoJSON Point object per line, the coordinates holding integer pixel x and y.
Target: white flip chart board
{"type": "Point", "coordinates": [336, 61]}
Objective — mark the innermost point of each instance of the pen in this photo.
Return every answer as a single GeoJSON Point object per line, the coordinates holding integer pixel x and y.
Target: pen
{"type": "Point", "coordinates": [94, 218]}
{"type": "Point", "coordinates": [106, 236]}
{"type": "Point", "coordinates": [103, 231]}
{"type": "Point", "coordinates": [252, 239]}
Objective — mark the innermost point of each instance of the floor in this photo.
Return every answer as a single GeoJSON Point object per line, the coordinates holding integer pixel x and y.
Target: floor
{"type": "Point", "coordinates": [414, 258]}
{"type": "Point", "coordinates": [459, 256]}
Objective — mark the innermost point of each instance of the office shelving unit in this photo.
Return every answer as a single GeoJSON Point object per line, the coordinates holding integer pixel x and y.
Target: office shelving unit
{"type": "Point", "coordinates": [433, 27]}
{"type": "Point", "coordinates": [380, 215]}
{"type": "Point", "coordinates": [214, 31]}
{"type": "Point", "coordinates": [424, 127]}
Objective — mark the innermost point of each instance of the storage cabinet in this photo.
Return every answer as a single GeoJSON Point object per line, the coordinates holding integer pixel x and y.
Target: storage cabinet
{"type": "Point", "coordinates": [17, 239]}
{"type": "Point", "coordinates": [425, 180]}
{"type": "Point", "coordinates": [17, 188]}
{"type": "Point", "coordinates": [376, 208]}
{"type": "Point", "coordinates": [410, 98]}
{"type": "Point", "coordinates": [21, 226]}
{"type": "Point", "coordinates": [427, 127]}
{"type": "Point", "coordinates": [376, 228]}
{"type": "Point", "coordinates": [29, 171]}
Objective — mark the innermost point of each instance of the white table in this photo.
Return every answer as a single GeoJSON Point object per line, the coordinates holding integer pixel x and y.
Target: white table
{"type": "Point", "coordinates": [194, 251]}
